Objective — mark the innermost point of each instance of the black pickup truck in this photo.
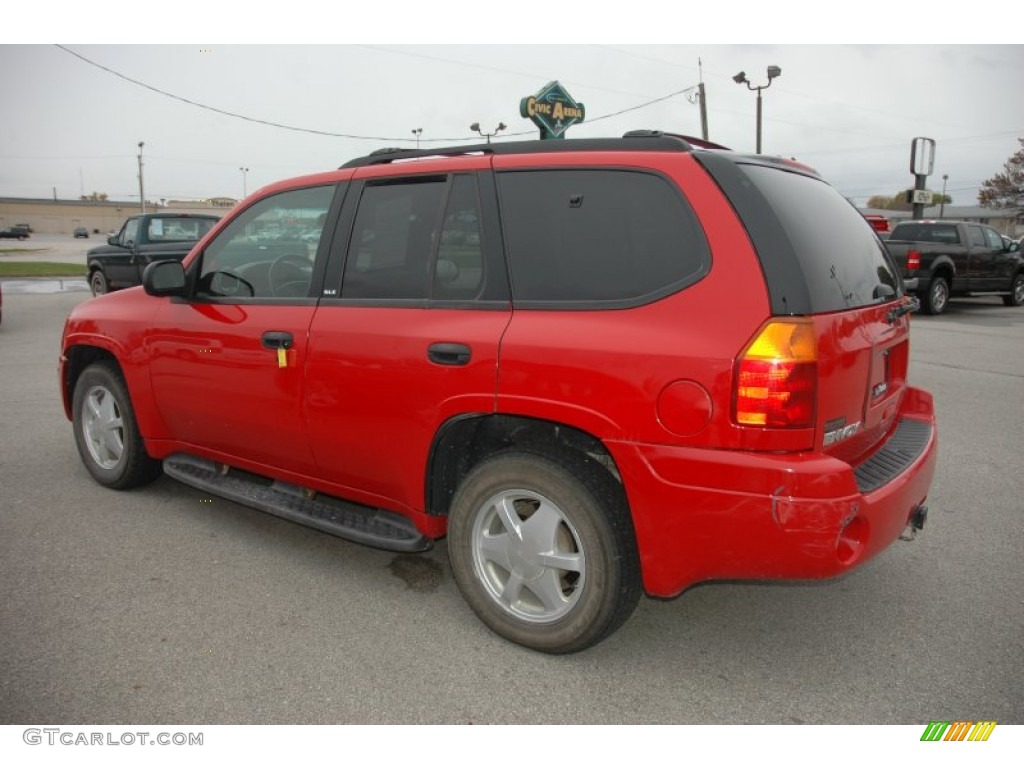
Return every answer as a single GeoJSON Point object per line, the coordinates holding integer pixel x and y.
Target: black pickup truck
{"type": "Point", "coordinates": [942, 258]}
{"type": "Point", "coordinates": [143, 239]}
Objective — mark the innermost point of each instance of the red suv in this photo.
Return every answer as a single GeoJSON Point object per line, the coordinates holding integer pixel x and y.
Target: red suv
{"type": "Point", "coordinates": [600, 367]}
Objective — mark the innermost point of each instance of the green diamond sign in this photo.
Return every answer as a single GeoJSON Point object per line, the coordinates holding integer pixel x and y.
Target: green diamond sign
{"type": "Point", "coordinates": [552, 110]}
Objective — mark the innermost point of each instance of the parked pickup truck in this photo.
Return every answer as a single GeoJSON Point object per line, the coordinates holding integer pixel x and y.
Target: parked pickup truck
{"type": "Point", "coordinates": [144, 239]}
{"type": "Point", "coordinates": [944, 258]}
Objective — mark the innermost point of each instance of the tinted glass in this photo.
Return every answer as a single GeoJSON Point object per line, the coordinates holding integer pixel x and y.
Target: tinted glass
{"type": "Point", "coordinates": [586, 236]}
{"type": "Point", "coordinates": [977, 236]}
{"type": "Point", "coordinates": [393, 240]}
{"type": "Point", "coordinates": [927, 233]}
{"type": "Point", "coordinates": [843, 263]}
{"type": "Point", "coordinates": [995, 240]}
{"type": "Point", "coordinates": [268, 251]}
{"type": "Point", "coordinates": [459, 273]}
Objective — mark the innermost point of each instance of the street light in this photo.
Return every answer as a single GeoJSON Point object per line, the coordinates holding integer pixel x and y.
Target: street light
{"type": "Point", "coordinates": [476, 127]}
{"type": "Point", "coordinates": [741, 78]}
{"type": "Point", "coordinates": [942, 202]}
{"type": "Point", "coordinates": [416, 132]}
{"type": "Point", "coordinates": [244, 171]}
{"type": "Point", "coordinates": [142, 194]}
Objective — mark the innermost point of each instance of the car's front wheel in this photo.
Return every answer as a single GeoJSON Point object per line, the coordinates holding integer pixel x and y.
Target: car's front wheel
{"type": "Point", "coordinates": [98, 283]}
{"type": "Point", "coordinates": [106, 432]}
{"type": "Point", "coordinates": [542, 548]}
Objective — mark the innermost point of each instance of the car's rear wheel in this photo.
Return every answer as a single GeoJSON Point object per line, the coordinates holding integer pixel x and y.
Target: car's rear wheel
{"type": "Point", "coordinates": [1016, 297]}
{"type": "Point", "coordinates": [106, 432]}
{"type": "Point", "coordinates": [98, 283]}
{"type": "Point", "coordinates": [937, 298]}
{"type": "Point", "coordinates": [543, 550]}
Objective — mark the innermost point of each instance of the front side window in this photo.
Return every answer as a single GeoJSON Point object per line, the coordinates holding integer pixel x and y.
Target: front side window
{"type": "Point", "coordinates": [131, 232]}
{"type": "Point", "coordinates": [995, 240]}
{"type": "Point", "coordinates": [269, 249]}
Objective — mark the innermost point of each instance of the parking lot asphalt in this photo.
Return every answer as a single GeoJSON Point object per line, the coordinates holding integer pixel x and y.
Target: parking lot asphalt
{"type": "Point", "coordinates": [162, 606]}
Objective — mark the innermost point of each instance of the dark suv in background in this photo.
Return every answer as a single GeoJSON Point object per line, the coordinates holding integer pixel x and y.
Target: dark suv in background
{"type": "Point", "coordinates": [600, 367]}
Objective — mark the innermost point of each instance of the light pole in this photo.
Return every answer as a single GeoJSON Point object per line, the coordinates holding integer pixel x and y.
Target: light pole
{"type": "Point", "coordinates": [741, 78]}
{"type": "Point", "coordinates": [942, 202]}
{"type": "Point", "coordinates": [416, 132]}
{"type": "Point", "coordinates": [476, 127]}
{"type": "Point", "coordinates": [142, 194]}
{"type": "Point", "coordinates": [244, 171]}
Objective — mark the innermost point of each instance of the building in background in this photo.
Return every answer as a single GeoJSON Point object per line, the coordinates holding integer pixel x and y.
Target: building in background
{"type": "Point", "coordinates": [62, 217]}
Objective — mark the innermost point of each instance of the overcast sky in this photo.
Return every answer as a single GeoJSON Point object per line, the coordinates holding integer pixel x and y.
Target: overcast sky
{"type": "Point", "coordinates": [851, 111]}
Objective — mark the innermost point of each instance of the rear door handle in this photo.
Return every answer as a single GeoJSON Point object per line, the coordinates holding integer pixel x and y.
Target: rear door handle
{"type": "Point", "coordinates": [277, 340]}
{"type": "Point", "coordinates": [447, 353]}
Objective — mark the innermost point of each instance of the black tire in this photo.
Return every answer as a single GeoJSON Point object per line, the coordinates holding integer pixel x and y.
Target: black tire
{"type": "Point", "coordinates": [98, 283]}
{"type": "Point", "coordinates": [1016, 296]}
{"type": "Point", "coordinates": [514, 583]}
{"type": "Point", "coordinates": [106, 432]}
{"type": "Point", "coordinates": [936, 299]}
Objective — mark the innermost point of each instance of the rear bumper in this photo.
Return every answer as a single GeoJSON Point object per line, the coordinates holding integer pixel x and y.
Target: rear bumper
{"type": "Point", "coordinates": [703, 515]}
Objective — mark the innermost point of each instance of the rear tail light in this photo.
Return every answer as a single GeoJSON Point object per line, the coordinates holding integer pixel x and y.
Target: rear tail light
{"type": "Point", "coordinates": [777, 376]}
{"type": "Point", "coordinates": [913, 260]}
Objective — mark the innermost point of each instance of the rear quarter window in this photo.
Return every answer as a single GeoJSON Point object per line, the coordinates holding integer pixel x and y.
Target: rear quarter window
{"type": "Point", "coordinates": [598, 237]}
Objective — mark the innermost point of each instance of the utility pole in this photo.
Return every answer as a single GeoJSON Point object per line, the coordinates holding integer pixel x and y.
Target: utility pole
{"type": "Point", "coordinates": [142, 193]}
{"type": "Point", "coordinates": [703, 102]}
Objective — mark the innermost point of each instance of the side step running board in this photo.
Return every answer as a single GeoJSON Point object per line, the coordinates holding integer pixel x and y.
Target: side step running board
{"type": "Point", "coordinates": [363, 525]}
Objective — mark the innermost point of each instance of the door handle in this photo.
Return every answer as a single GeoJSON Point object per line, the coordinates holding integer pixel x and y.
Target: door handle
{"type": "Point", "coordinates": [447, 353]}
{"type": "Point", "coordinates": [277, 340]}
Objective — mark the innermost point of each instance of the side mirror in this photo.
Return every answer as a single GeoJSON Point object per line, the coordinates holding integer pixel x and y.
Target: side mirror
{"type": "Point", "coordinates": [112, 240]}
{"type": "Point", "coordinates": [164, 278]}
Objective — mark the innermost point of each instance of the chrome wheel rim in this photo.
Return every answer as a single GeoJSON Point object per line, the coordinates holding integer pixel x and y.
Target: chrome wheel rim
{"type": "Point", "coordinates": [103, 427]}
{"type": "Point", "coordinates": [939, 295]}
{"type": "Point", "coordinates": [528, 556]}
{"type": "Point", "coordinates": [1018, 291]}
{"type": "Point", "coordinates": [96, 284]}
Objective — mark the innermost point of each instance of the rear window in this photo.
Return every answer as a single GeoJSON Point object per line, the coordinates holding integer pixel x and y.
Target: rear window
{"type": "Point", "coordinates": [598, 237]}
{"type": "Point", "coordinates": [926, 233]}
{"type": "Point", "coordinates": [842, 261]}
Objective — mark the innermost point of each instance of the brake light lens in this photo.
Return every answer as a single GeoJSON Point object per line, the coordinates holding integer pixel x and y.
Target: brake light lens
{"type": "Point", "coordinates": [777, 377]}
{"type": "Point", "coordinates": [913, 260]}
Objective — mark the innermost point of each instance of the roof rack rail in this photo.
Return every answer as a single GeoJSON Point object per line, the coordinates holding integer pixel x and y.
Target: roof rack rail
{"type": "Point", "coordinates": [692, 140]}
{"type": "Point", "coordinates": [636, 141]}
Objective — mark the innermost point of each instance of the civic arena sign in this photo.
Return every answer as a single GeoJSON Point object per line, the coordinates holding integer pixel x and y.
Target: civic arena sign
{"type": "Point", "coordinates": [552, 110]}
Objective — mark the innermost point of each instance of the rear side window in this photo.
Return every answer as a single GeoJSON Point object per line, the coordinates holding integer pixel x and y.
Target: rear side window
{"type": "Point", "coordinates": [598, 237]}
{"type": "Point", "coordinates": [843, 263]}
{"type": "Point", "coordinates": [418, 238]}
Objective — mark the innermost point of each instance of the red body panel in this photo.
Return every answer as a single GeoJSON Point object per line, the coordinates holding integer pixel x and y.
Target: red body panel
{"type": "Point", "coordinates": [358, 404]}
{"type": "Point", "coordinates": [375, 401]}
{"type": "Point", "coordinates": [704, 514]}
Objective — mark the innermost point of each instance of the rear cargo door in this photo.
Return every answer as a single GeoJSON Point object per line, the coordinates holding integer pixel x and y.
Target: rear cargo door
{"type": "Point", "coordinates": [822, 260]}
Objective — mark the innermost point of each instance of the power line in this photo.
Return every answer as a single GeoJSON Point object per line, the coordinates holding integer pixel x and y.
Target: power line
{"type": "Point", "coordinates": [331, 133]}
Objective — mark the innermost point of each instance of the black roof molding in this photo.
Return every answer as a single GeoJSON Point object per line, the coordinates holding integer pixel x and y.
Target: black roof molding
{"type": "Point", "coordinates": [634, 141]}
